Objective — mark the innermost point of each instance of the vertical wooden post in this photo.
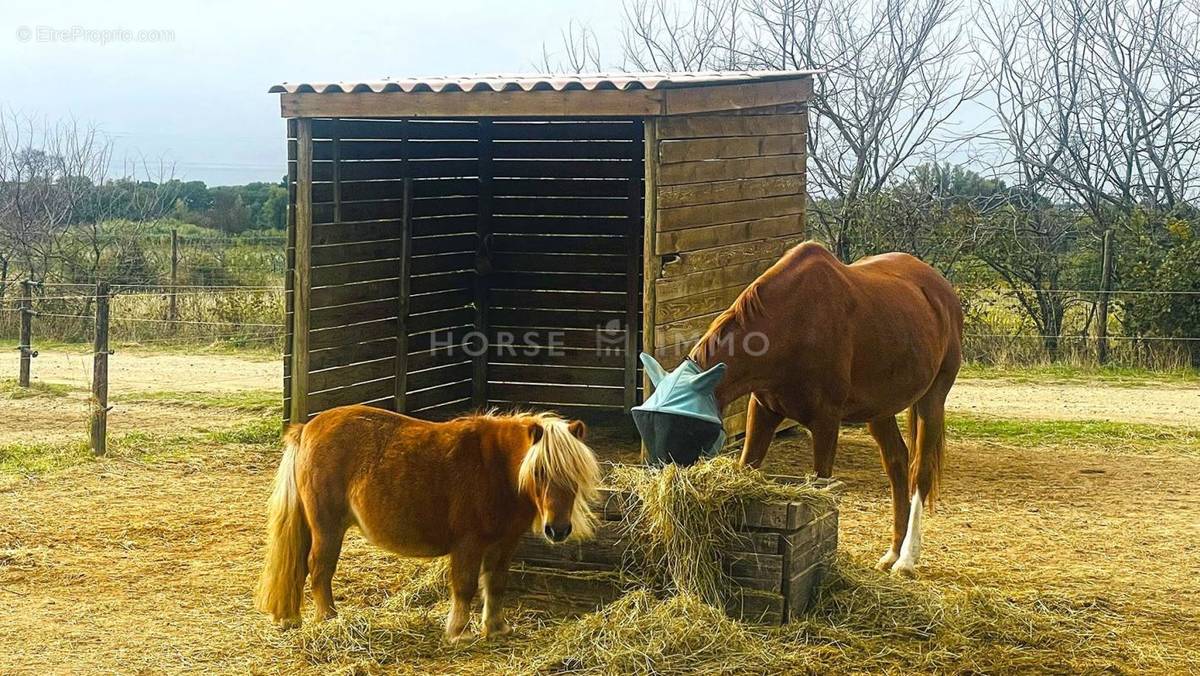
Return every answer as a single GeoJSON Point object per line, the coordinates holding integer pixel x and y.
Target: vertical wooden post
{"type": "Point", "coordinates": [400, 397]}
{"type": "Point", "coordinates": [1105, 290]}
{"type": "Point", "coordinates": [99, 420]}
{"type": "Point", "coordinates": [483, 268]}
{"type": "Point", "coordinates": [650, 260]}
{"type": "Point", "coordinates": [634, 263]}
{"type": "Point", "coordinates": [301, 282]}
{"type": "Point", "coordinates": [173, 309]}
{"type": "Point", "coordinates": [26, 338]}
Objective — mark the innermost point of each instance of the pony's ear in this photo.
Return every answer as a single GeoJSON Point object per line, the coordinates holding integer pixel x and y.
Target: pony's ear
{"type": "Point", "coordinates": [535, 432]}
{"type": "Point", "coordinates": [707, 381]}
{"type": "Point", "coordinates": [577, 429]}
{"type": "Point", "coordinates": [653, 369]}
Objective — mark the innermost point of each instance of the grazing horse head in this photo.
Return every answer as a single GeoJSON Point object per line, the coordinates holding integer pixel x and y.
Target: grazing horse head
{"type": "Point", "coordinates": [560, 474]}
{"type": "Point", "coordinates": [681, 422]}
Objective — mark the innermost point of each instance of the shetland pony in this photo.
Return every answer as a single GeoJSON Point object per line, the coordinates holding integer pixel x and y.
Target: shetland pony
{"type": "Point", "coordinates": [467, 488]}
{"type": "Point", "coordinates": [824, 343]}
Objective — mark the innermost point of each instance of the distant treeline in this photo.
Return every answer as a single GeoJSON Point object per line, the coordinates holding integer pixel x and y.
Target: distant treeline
{"type": "Point", "coordinates": [228, 208]}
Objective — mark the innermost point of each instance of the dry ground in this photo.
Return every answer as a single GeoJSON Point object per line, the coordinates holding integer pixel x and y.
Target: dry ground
{"type": "Point", "coordinates": [136, 566]}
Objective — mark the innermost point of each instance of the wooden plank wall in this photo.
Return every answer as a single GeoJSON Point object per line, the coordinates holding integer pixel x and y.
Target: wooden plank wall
{"type": "Point", "coordinates": [359, 204]}
{"type": "Point", "coordinates": [730, 199]}
{"type": "Point", "coordinates": [560, 254]}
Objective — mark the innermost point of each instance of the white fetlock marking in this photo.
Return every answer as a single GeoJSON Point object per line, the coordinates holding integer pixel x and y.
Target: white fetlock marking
{"type": "Point", "coordinates": [910, 551]}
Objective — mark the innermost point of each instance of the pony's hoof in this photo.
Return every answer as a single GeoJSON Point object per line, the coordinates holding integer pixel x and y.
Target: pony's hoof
{"type": "Point", "coordinates": [457, 638]}
{"type": "Point", "coordinates": [904, 569]}
{"type": "Point", "coordinates": [289, 623]}
{"type": "Point", "coordinates": [886, 561]}
{"type": "Point", "coordinates": [503, 629]}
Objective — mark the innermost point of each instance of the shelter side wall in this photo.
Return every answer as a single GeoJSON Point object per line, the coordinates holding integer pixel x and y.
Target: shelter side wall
{"type": "Point", "coordinates": [564, 255]}
{"type": "Point", "coordinates": [729, 201]}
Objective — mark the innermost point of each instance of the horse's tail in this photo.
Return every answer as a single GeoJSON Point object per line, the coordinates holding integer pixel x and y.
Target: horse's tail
{"type": "Point", "coordinates": [281, 585]}
{"type": "Point", "coordinates": [925, 469]}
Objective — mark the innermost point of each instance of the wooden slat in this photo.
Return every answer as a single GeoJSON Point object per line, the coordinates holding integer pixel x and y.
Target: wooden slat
{"type": "Point", "coordinates": [345, 294]}
{"type": "Point", "coordinates": [360, 271]}
{"type": "Point", "coordinates": [568, 375]}
{"type": "Point", "coordinates": [729, 212]}
{"type": "Point", "coordinates": [344, 376]}
{"type": "Point", "coordinates": [559, 281]}
{"type": "Point", "coordinates": [559, 206]}
{"type": "Point", "coordinates": [691, 194]}
{"type": "Point", "coordinates": [695, 305]}
{"type": "Point", "coordinates": [707, 280]}
{"type": "Point", "coordinates": [301, 339]}
{"type": "Point", "coordinates": [554, 394]}
{"type": "Point", "coordinates": [735, 97]}
{"type": "Point", "coordinates": [343, 355]}
{"type": "Point", "coordinates": [692, 239]}
{"type": "Point", "coordinates": [557, 357]}
{"type": "Point", "coordinates": [442, 244]}
{"type": "Point", "coordinates": [622, 103]}
{"type": "Point", "coordinates": [689, 262]}
{"type": "Point", "coordinates": [344, 337]}
{"type": "Point", "coordinates": [547, 244]}
{"type": "Point", "coordinates": [698, 126]}
{"type": "Point", "coordinates": [354, 233]}
{"type": "Point", "coordinates": [729, 147]}
{"type": "Point", "coordinates": [354, 252]}
{"type": "Point", "coordinates": [550, 300]}
{"type": "Point", "coordinates": [547, 262]}
{"type": "Point", "coordinates": [354, 394]}
{"type": "Point", "coordinates": [341, 315]}
{"type": "Point", "coordinates": [450, 392]}
{"type": "Point", "coordinates": [554, 319]}
{"type": "Point", "coordinates": [558, 225]}
{"type": "Point", "coordinates": [559, 150]}
{"type": "Point", "coordinates": [442, 300]}
{"type": "Point", "coordinates": [560, 187]}
{"type": "Point", "coordinates": [394, 129]}
{"type": "Point", "coordinates": [728, 170]}
{"type": "Point", "coordinates": [450, 373]}
{"type": "Point", "coordinates": [611, 130]}
{"type": "Point", "coordinates": [563, 168]}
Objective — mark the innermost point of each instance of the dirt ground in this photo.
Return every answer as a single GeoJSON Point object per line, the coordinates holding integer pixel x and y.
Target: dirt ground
{"type": "Point", "coordinates": [135, 567]}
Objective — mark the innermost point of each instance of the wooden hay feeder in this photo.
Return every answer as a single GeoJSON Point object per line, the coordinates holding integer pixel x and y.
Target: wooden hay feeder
{"type": "Point", "coordinates": [572, 221]}
{"type": "Point", "coordinates": [776, 565]}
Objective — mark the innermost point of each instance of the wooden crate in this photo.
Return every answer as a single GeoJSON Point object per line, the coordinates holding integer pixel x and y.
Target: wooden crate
{"type": "Point", "coordinates": [776, 563]}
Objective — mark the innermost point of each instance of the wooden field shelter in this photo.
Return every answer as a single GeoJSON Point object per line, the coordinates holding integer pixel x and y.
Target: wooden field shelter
{"type": "Point", "coordinates": [571, 220]}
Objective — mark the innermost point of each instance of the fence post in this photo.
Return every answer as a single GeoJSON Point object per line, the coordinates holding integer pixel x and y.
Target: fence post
{"type": "Point", "coordinates": [173, 310]}
{"type": "Point", "coordinates": [1105, 290]}
{"type": "Point", "coordinates": [99, 421]}
{"type": "Point", "coordinates": [26, 337]}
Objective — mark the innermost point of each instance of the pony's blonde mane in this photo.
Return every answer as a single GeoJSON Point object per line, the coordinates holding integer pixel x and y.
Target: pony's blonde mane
{"type": "Point", "coordinates": [561, 459]}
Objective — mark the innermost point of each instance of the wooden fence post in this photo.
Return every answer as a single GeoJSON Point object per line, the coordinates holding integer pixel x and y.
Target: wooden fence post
{"type": "Point", "coordinates": [1105, 290]}
{"type": "Point", "coordinates": [173, 310]}
{"type": "Point", "coordinates": [26, 337]}
{"type": "Point", "coordinates": [99, 420]}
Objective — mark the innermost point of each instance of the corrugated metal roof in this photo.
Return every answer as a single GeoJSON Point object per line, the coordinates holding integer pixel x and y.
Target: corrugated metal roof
{"type": "Point", "coordinates": [529, 83]}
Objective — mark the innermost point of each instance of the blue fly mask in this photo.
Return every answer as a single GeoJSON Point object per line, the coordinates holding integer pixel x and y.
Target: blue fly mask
{"type": "Point", "coordinates": [681, 422]}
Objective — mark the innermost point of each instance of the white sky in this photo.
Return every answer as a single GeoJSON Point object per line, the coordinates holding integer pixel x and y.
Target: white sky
{"type": "Point", "coordinates": [200, 100]}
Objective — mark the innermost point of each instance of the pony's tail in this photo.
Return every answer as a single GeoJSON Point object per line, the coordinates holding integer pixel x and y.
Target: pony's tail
{"type": "Point", "coordinates": [927, 448]}
{"type": "Point", "coordinates": [281, 585]}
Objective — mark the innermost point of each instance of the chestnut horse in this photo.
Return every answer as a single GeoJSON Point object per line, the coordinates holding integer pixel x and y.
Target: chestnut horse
{"type": "Point", "coordinates": [467, 488]}
{"type": "Point", "coordinates": [825, 343]}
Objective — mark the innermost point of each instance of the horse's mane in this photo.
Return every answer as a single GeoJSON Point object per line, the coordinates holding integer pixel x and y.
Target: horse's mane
{"type": "Point", "coordinates": [563, 460]}
{"type": "Point", "coordinates": [746, 307]}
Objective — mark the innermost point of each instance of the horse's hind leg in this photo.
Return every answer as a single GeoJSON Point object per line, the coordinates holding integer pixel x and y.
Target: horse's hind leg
{"type": "Point", "coordinates": [495, 581]}
{"type": "Point", "coordinates": [322, 563]}
{"type": "Point", "coordinates": [894, 454]}
{"type": "Point", "coordinates": [465, 563]}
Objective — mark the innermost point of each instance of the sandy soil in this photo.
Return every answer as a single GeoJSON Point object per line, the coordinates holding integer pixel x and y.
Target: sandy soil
{"type": "Point", "coordinates": [140, 372]}
{"type": "Point", "coordinates": [137, 567]}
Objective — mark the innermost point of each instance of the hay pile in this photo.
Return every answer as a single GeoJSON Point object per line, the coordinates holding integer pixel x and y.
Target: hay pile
{"type": "Point", "coordinates": [682, 519]}
{"type": "Point", "coordinates": [863, 621]}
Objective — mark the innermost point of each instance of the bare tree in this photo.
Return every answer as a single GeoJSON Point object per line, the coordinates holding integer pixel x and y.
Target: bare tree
{"type": "Point", "coordinates": [579, 51]}
{"type": "Point", "coordinates": [894, 74]}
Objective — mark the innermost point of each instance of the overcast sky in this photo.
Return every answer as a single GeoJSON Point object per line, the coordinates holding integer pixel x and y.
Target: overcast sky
{"type": "Point", "coordinates": [192, 89]}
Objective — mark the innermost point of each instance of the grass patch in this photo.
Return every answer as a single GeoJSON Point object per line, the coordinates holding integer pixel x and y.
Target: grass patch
{"type": "Point", "coordinates": [1123, 376]}
{"type": "Point", "coordinates": [9, 389]}
{"type": "Point", "coordinates": [1117, 437]}
{"type": "Point", "coordinates": [261, 351]}
{"type": "Point", "coordinates": [258, 431]}
{"type": "Point", "coordinates": [247, 401]}
{"type": "Point", "coordinates": [29, 458]}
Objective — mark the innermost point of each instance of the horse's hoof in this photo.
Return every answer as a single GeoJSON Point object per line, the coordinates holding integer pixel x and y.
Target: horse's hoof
{"type": "Point", "coordinates": [904, 569]}
{"type": "Point", "coordinates": [496, 632]}
{"type": "Point", "coordinates": [289, 623]}
{"type": "Point", "coordinates": [456, 638]}
{"type": "Point", "coordinates": [886, 561]}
